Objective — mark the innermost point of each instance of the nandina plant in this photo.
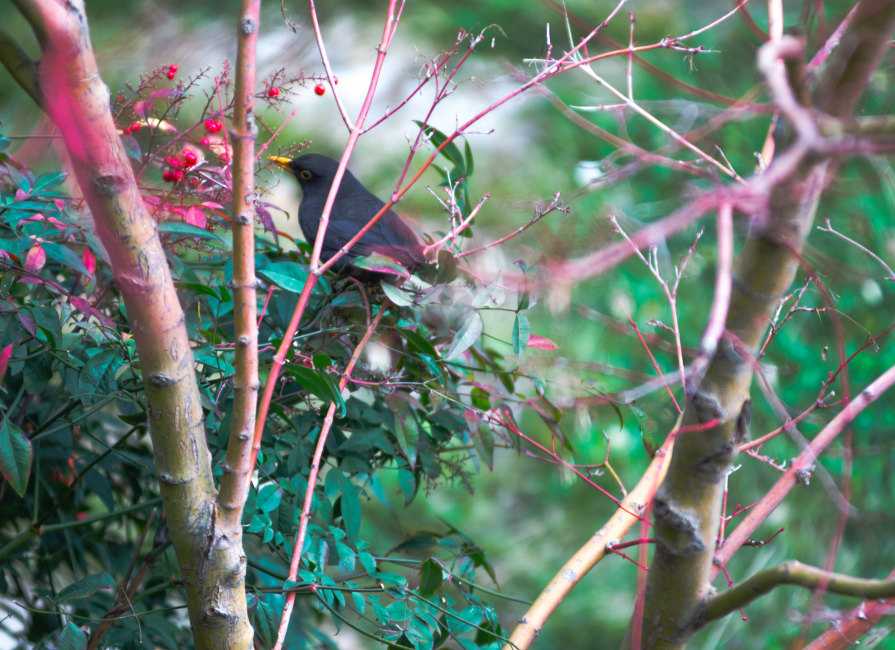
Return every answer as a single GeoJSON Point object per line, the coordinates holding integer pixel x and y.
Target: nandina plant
{"type": "Point", "coordinates": [152, 293]}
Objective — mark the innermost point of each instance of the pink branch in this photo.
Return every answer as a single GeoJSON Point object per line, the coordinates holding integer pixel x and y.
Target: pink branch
{"type": "Point", "coordinates": [312, 478]}
{"type": "Point", "coordinates": [275, 134]}
{"type": "Point", "coordinates": [800, 468]}
{"type": "Point", "coordinates": [329, 72]}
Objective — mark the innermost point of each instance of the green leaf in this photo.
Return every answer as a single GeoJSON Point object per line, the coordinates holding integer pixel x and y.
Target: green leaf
{"type": "Point", "coordinates": [396, 295]}
{"type": "Point", "coordinates": [15, 456]}
{"type": "Point", "coordinates": [466, 337]}
{"type": "Point", "coordinates": [451, 151]}
{"type": "Point", "coordinates": [407, 483]}
{"type": "Point", "coordinates": [431, 578]}
{"type": "Point", "coordinates": [266, 623]}
{"type": "Point", "coordinates": [321, 361]}
{"type": "Point", "coordinates": [351, 512]}
{"type": "Point", "coordinates": [367, 560]}
{"type": "Point", "coordinates": [381, 264]}
{"type": "Point", "coordinates": [523, 295]}
{"type": "Point", "coordinates": [92, 374]}
{"type": "Point", "coordinates": [269, 498]}
{"type": "Point", "coordinates": [647, 430]}
{"type": "Point", "coordinates": [49, 181]}
{"type": "Point", "coordinates": [66, 256]}
{"type": "Point", "coordinates": [319, 384]}
{"type": "Point", "coordinates": [186, 229]}
{"type": "Point", "coordinates": [407, 432]}
{"type": "Point", "coordinates": [521, 334]}
{"type": "Point", "coordinates": [132, 148]}
{"type": "Point", "coordinates": [469, 164]}
{"type": "Point", "coordinates": [359, 603]}
{"type": "Point", "coordinates": [38, 372]}
{"type": "Point", "coordinates": [417, 343]}
{"type": "Point", "coordinates": [291, 277]}
{"type": "Point", "coordinates": [470, 616]}
{"type": "Point", "coordinates": [484, 444]}
{"type": "Point", "coordinates": [417, 543]}
{"type": "Point", "coordinates": [86, 587]}
{"type": "Point", "coordinates": [347, 556]}
{"type": "Point", "coordinates": [447, 266]}
{"type": "Point", "coordinates": [200, 289]}
{"type": "Point", "coordinates": [4, 142]}
{"type": "Point", "coordinates": [71, 638]}
{"type": "Point", "coordinates": [135, 419]}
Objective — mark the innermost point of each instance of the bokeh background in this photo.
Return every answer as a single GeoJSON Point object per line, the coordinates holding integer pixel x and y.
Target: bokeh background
{"type": "Point", "coordinates": [531, 516]}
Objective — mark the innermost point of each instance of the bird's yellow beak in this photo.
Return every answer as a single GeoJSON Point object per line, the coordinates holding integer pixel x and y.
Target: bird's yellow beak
{"type": "Point", "coordinates": [279, 161]}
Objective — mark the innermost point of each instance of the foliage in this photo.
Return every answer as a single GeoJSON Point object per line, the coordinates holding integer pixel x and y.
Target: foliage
{"type": "Point", "coordinates": [461, 375]}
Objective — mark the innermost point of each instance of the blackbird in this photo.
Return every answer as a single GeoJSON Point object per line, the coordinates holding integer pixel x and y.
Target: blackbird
{"type": "Point", "coordinates": [353, 209]}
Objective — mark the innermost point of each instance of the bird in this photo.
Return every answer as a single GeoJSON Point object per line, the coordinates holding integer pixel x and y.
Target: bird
{"type": "Point", "coordinates": [355, 205]}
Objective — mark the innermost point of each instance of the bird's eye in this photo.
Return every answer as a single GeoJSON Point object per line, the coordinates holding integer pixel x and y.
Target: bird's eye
{"type": "Point", "coordinates": [305, 174]}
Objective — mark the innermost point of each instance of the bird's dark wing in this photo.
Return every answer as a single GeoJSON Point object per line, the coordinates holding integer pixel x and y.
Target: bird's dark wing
{"type": "Point", "coordinates": [390, 236]}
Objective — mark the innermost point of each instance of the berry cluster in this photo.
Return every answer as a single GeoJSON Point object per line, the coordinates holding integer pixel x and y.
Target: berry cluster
{"type": "Point", "coordinates": [179, 165]}
{"type": "Point", "coordinates": [320, 88]}
{"type": "Point", "coordinates": [213, 126]}
{"type": "Point", "coordinates": [172, 71]}
{"type": "Point", "coordinates": [133, 128]}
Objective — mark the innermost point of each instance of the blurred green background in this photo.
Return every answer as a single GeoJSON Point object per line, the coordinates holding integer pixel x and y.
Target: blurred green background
{"type": "Point", "coordinates": [531, 516]}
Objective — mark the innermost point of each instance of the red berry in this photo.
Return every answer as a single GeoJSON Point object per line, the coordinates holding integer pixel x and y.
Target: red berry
{"type": "Point", "coordinates": [189, 158]}
{"type": "Point", "coordinates": [319, 89]}
{"type": "Point", "coordinates": [205, 142]}
{"type": "Point", "coordinates": [218, 125]}
{"type": "Point", "coordinates": [171, 74]}
{"type": "Point", "coordinates": [167, 176]}
{"type": "Point", "coordinates": [172, 68]}
{"type": "Point", "coordinates": [194, 182]}
{"type": "Point", "coordinates": [209, 126]}
{"type": "Point", "coordinates": [336, 80]}
{"type": "Point", "coordinates": [178, 175]}
{"type": "Point", "coordinates": [224, 158]}
{"type": "Point", "coordinates": [273, 92]}
{"type": "Point", "coordinates": [127, 130]}
{"type": "Point", "coordinates": [136, 126]}
{"type": "Point", "coordinates": [175, 161]}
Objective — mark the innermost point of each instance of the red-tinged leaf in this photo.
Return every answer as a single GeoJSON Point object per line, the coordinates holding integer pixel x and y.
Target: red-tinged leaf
{"type": "Point", "coordinates": [541, 343]}
{"type": "Point", "coordinates": [196, 217]}
{"type": "Point", "coordinates": [21, 195]}
{"type": "Point", "coordinates": [26, 318]}
{"type": "Point", "coordinates": [213, 205]}
{"type": "Point", "coordinates": [5, 353]}
{"type": "Point", "coordinates": [15, 456]}
{"type": "Point", "coordinates": [89, 260]}
{"type": "Point", "coordinates": [381, 264]}
{"type": "Point", "coordinates": [265, 217]}
{"type": "Point", "coordinates": [35, 259]}
{"type": "Point", "coordinates": [84, 307]}
{"type": "Point", "coordinates": [140, 108]}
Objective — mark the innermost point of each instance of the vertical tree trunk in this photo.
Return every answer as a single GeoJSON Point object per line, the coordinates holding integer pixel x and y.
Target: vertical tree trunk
{"type": "Point", "coordinates": [212, 562]}
{"type": "Point", "coordinates": [688, 505]}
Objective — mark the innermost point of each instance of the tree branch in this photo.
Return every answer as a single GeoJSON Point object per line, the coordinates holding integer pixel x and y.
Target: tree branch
{"type": "Point", "coordinates": [798, 574]}
{"type": "Point", "coordinates": [236, 476]}
{"type": "Point", "coordinates": [19, 65]}
{"type": "Point", "coordinates": [212, 564]}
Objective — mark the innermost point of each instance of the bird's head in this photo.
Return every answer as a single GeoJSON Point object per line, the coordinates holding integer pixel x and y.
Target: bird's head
{"type": "Point", "coordinates": [314, 172]}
